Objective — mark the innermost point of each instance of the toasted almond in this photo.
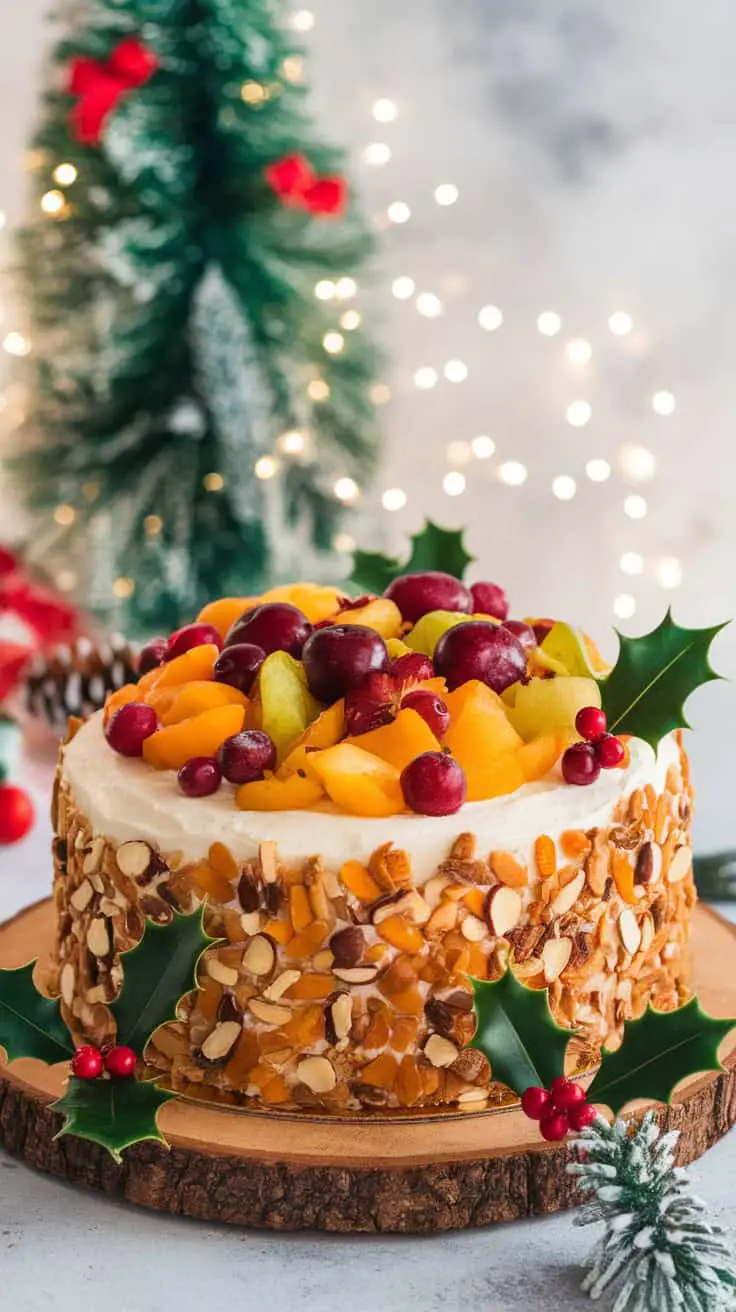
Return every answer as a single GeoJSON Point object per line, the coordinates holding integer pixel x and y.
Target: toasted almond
{"type": "Point", "coordinates": [98, 939]}
{"type": "Point", "coordinates": [93, 858]}
{"type": "Point", "coordinates": [323, 959]}
{"type": "Point", "coordinates": [223, 974]}
{"type": "Point", "coordinates": [473, 1095]}
{"type": "Point", "coordinates": [556, 954]}
{"type": "Point", "coordinates": [443, 917]}
{"type": "Point", "coordinates": [433, 889]}
{"type": "Point", "coordinates": [133, 858]}
{"type": "Point", "coordinates": [502, 909]}
{"type": "Point", "coordinates": [680, 865]}
{"type": "Point", "coordinates": [259, 956]}
{"type": "Point", "coordinates": [341, 1015]}
{"type": "Point", "coordinates": [440, 1051]}
{"type": "Point", "coordinates": [647, 932]}
{"type": "Point", "coordinates": [317, 1074]}
{"type": "Point", "coordinates": [355, 974]}
{"type": "Point", "coordinates": [648, 864]}
{"type": "Point", "coordinates": [473, 929]}
{"type": "Point", "coordinates": [280, 985]}
{"type": "Point", "coordinates": [82, 896]}
{"type": "Point", "coordinates": [66, 983]}
{"type": "Point", "coordinates": [251, 922]}
{"type": "Point", "coordinates": [222, 1039]}
{"type": "Point", "coordinates": [410, 904]}
{"type": "Point", "coordinates": [628, 928]}
{"type": "Point", "coordinates": [269, 1012]}
{"type": "Point", "coordinates": [269, 865]}
{"type": "Point", "coordinates": [568, 896]}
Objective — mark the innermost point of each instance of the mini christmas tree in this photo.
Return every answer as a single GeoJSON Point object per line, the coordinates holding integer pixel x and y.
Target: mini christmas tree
{"type": "Point", "coordinates": [185, 214]}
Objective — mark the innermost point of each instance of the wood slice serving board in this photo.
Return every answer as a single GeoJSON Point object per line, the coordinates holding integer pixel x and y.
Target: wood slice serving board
{"type": "Point", "coordinates": [283, 1172]}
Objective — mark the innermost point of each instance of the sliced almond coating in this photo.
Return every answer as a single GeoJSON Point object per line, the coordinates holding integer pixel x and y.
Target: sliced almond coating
{"type": "Point", "coordinates": [503, 909]}
{"type": "Point", "coordinates": [269, 1012]}
{"type": "Point", "coordinates": [223, 974]}
{"type": "Point", "coordinates": [473, 1095]}
{"type": "Point", "coordinates": [133, 859]}
{"type": "Point", "coordinates": [415, 907]}
{"type": "Point", "coordinates": [648, 864]}
{"type": "Point", "coordinates": [280, 985]}
{"type": "Point", "coordinates": [317, 1074]}
{"type": "Point", "coordinates": [556, 954]}
{"type": "Point", "coordinates": [66, 983]}
{"type": "Point", "coordinates": [82, 896]}
{"type": "Point", "coordinates": [341, 1015]}
{"type": "Point", "coordinates": [440, 1051]}
{"type": "Point", "coordinates": [473, 929]}
{"type": "Point", "coordinates": [628, 928]}
{"type": "Point", "coordinates": [323, 960]}
{"type": "Point", "coordinates": [647, 932]}
{"type": "Point", "coordinates": [251, 922]}
{"type": "Point", "coordinates": [680, 865]}
{"type": "Point", "coordinates": [223, 1037]}
{"type": "Point", "coordinates": [93, 859]}
{"type": "Point", "coordinates": [443, 917]}
{"type": "Point", "coordinates": [98, 939]}
{"type": "Point", "coordinates": [259, 956]}
{"type": "Point", "coordinates": [433, 889]}
{"type": "Point", "coordinates": [568, 896]}
{"type": "Point", "coordinates": [269, 865]}
{"type": "Point", "coordinates": [355, 974]}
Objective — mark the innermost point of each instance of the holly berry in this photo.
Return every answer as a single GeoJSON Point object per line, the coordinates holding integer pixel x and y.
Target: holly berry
{"type": "Point", "coordinates": [199, 776]}
{"type": "Point", "coordinates": [338, 658]}
{"type": "Point", "coordinates": [554, 1127]}
{"type": "Point", "coordinates": [238, 665]}
{"type": "Point", "coordinates": [192, 635]}
{"type": "Point", "coordinates": [566, 1094]}
{"type": "Point", "coordinates": [480, 650]}
{"type": "Point", "coordinates": [524, 632]}
{"type": "Point", "coordinates": [609, 751]}
{"type": "Point", "coordinates": [153, 654]}
{"type": "Point", "coordinates": [490, 599]}
{"type": "Point", "coordinates": [536, 1103]}
{"type": "Point", "coordinates": [413, 665]}
{"type": "Point", "coordinates": [580, 765]}
{"type": "Point", "coordinates": [17, 813]}
{"type": "Point", "coordinates": [244, 757]}
{"type": "Point", "coordinates": [87, 1063]}
{"type": "Point", "coordinates": [417, 594]}
{"type": "Point", "coordinates": [127, 730]}
{"type": "Point", "coordinates": [120, 1062]}
{"type": "Point", "coordinates": [273, 626]}
{"type": "Point", "coordinates": [581, 1117]}
{"type": "Point", "coordinates": [430, 707]}
{"type": "Point", "coordinates": [434, 784]}
{"type": "Point", "coordinates": [591, 723]}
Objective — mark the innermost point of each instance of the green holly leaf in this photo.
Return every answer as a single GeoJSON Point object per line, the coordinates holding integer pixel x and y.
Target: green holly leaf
{"type": "Point", "coordinates": [658, 1051]}
{"type": "Point", "coordinates": [645, 692]}
{"type": "Point", "coordinates": [518, 1033]}
{"type": "Point", "coordinates": [432, 548]}
{"type": "Point", "coordinates": [156, 973]}
{"type": "Point", "coordinates": [30, 1024]}
{"type": "Point", "coordinates": [113, 1113]}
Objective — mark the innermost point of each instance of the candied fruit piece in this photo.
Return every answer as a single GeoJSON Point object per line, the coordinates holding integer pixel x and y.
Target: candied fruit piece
{"type": "Point", "coordinates": [193, 665]}
{"type": "Point", "coordinates": [311, 986]}
{"type": "Point", "coordinates": [623, 877]}
{"type": "Point", "coordinates": [377, 1034]}
{"type": "Point", "coordinates": [222, 860]}
{"type": "Point", "coordinates": [279, 930]}
{"type": "Point", "coordinates": [359, 880]}
{"type": "Point", "coordinates": [381, 1072]}
{"type": "Point", "coordinates": [197, 697]}
{"type": "Point", "coordinates": [208, 998]}
{"type": "Point", "coordinates": [401, 934]}
{"type": "Point", "coordinates": [575, 842]}
{"type": "Point", "coordinates": [358, 781]}
{"type": "Point", "coordinates": [276, 1091]}
{"type": "Point", "coordinates": [400, 741]}
{"type": "Point", "coordinates": [244, 1058]}
{"type": "Point", "coordinates": [545, 856]}
{"type": "Point", "coordinates": [206, 881]}
{"type": "Point", "coordinates": [308, 941]}
{"type": "Point", "coordinates": [408, 1086]}
{"type": "Point", "coordinates": [404, 1033]}
{"type": "Point", "coordinates": [299, 907]}
{"type": "Point", "coordinates": [306, 1027]}
{"type": "Point", "coordinates": [508, 870]}
{"type": "Point", "coordinates": [273, 793]}
{"type": "Point", "coordinates": [171, 748]}
{"type": "Point", "coordinates": [475, 900]}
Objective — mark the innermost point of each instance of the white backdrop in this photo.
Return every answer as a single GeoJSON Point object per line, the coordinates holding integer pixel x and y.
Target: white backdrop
{"type": "Point", "coordinates": [592, 151]}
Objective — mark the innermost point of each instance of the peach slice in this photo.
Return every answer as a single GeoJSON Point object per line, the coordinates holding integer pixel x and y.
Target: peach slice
{"type": "Point", "coordinates": [477, 713]}
{"type": "Point", "coordinates": [400, 741]}
{"type": "Point", "coordinates": [294, 793]}
{"type": "Point", "coordinates": [382, 615]}
{"type": "Point", "coordinates": [222, 614]}
{"type": "Point", "coordinates": [492, 774]}
{"type": "Point", "coordinates": [314, 600]}
{"type": "Point", "coordinates": [358, 781]}
{"type": "Point", "coordinates": [541, 754]}
{"type": "Point", "coordinates": [202, 735]}
{"type": "Point", "coordinates": [327, 729]}
{"type": "Point", "coordinates": [163, 699]}
{"type": "Point", "coordinates": [195, 664]}
{"type": "Point", "coordinates": [197, 697]}
{"type": "Point", "coordinates": [130, 692]}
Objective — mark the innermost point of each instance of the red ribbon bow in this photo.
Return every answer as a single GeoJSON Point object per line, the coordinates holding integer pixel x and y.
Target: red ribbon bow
{"type": "Point", "coordinates": [296, 184]}
{"type": "Point", "coordinates": [99, 85]}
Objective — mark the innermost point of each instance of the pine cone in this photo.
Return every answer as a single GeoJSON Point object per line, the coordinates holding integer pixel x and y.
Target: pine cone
{"type": "Point", "coordinates": [76, 680]}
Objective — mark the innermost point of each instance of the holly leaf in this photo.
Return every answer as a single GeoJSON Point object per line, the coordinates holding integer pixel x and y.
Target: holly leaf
{"type": "Point", "coordinates": [658, 1051]}
{"type": "Point", "coordinates": [432, 548]}
{"type": "Point", "coordinates": [518, 1033]}
{"type": "Point", "coordinates": [645, 692]}
{"type": "Point", "coordinates": [30, 1024]}
{"type": "Point", "coordinates": [156, 973]}
{"type": "Point", "coordinates": [113, 1113]}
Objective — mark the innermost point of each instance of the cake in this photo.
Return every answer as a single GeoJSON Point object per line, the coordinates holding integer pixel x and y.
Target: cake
{"type": "Point", "coordinates": [375, 801]}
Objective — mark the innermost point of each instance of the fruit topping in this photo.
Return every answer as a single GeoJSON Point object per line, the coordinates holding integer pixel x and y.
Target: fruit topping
{"type": "Point", "coordinates": [128, 729]}
{"type": "Point", "coordinates": [490, 599]}
{"type": "Point", "coordinates": [544, 705]}
{"type": "Point", "coordinates": [560, 1109]}
{"type": "Point", "coordinates": [480, 650]}
{"type": "Point", "coordinates": [357, 781]}
{"type": "Point", "coordinates": [575, 650]}
{"type": "Point", "coordinates": [371, 704]}
{"type": "Point", "coordinates": [427, 632]}
{"type": "Point", "coordinates": [199, 776]}
{"type": "Point", "coordinates": [417, 594]}
{"type": "Point", "coordinates": [292, 793]}
{"type": "Point", "coordinates": [188, 699]}
{"type": "Point", "coordinates": [192, 635]}
{"type": "Point", "coordinates": [522, 631]}
{"type": "Point", "coordinates": [273, 626]}
{"type": "Point", "coordinates": [609, 751]}
{"type": "Point", "coordinates": [579, 764]}
{"type": "Point", "coordinates": [434, 784]}
{"type": "Point", "coordinates": [540, 755]}
{"type": "Point", "coordinates": [590, 723]}
{"type": "Point", "coordinates": [401, 741]}
{"type": "Point", "coordinates": [286, 705]}
{"type": "Point", "coordinates": [483, 741]}
{"type": "Point", "coordinates": [197, 663]}
{"type": "Point", "coordinates": [412, 667]}
{"type": "Point", "coordinates": [153, 654]}
{"type": "Point", "coordinates": [377, 613]}
{"type": "Point", "coordinates": [202, 735]}
{"type": "Point", "coordinates": [238, 665]}
{"type": "Point", "coordinates": [244, 757]}
{"type": "Point", "coordinates": [430, 707]}
{"type": "Point", "coordinates": [338, 658]}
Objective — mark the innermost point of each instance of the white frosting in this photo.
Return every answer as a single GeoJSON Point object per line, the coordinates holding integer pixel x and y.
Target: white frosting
{"type": "Point", "coordinates": [124, 799]}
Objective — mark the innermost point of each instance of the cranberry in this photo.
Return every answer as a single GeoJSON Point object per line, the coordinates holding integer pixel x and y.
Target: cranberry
{"type": "Point", "coordinates": [524, 632]}
{"type": "Point", "coordinates": [153, 654]}
{"type": "Point", "coordinates": [536, 1103]}
{"type": "Point", "coordinates": [490, 599]}
{"type": "Point", "coordinates": [87, 1063]}
{"type": "Point", "coordinates": [417, 594]}
{"type": "Point", "coordinates": [273, 626]}
{"type": "Point", "coordinates": [478, 649]}
{"type": "Point", "coordinates": [372, 704]}
{"type": "Point", "coordinates": [590, 723]}
{"type": "Point", "coordinates": [579, 764]}
{"type": "Point", "coordinates": [609, 751]}
{"type": "Point", "coordinates": [581, 1117]}
{"type": "Point", "coordinates": [413, 665]}
{"type": "Point", "coordinates": [554, 1127]}
{"type": "Point", "coordinates": [566, 1094]}
{"type": "Point", "coordinates": [238, 665]}
{"type": "Point", "coordinates": [338, 658]}
{"type": "Point", "coordinates": [192, 635]}
{"type": "Point", "coordinates": [199, 776]}
{"type": "Point", "coordinates": [434, 784]}
{"type": "Point", "coordinates": [121, 1062]}
{"type": "Point", "coordinates": [246, 755]}
{"type": "Point", "coordinates": [127, 730]}
{"type": "Point", "coordinates": [431, 708]}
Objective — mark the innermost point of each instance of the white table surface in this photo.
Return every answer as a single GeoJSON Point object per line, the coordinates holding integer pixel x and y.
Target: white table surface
{"type": "Point", "coordinates": [68, 1249]}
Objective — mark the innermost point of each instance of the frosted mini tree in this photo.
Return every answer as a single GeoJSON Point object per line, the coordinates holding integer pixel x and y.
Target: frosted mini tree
{"type": "Point", "coordinates": [185, 213]}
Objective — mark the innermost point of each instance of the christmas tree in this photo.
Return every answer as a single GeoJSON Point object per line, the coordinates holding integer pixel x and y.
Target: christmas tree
{"type": "Point", "coordinates": [196, 382]}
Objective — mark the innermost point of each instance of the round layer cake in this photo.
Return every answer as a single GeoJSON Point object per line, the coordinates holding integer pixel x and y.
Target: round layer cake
{"type": "Point", "coordinates": [348, 927]}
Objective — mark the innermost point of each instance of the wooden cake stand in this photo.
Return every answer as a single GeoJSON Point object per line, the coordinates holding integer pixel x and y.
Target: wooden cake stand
{"type": "Point", "coordinates": [284, 1172]}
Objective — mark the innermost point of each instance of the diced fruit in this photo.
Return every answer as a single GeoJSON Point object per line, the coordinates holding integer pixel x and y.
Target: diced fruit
{"type": "Point", "coordinates": [522, 631]}
{"type": "Point", "coordinates": [401, 934]}
{"type": "Point", "coordinates": [480, 650]}
{"type": "Point", "coordinates": [490, 774]}
{"type": "Point", "coordinates": [574, 650]}
{"type": "Point", "coordinates": [373, 703]}
{"type": "Point", "coordinates": [294, 793]}
{"type": "Point", "coordinates": [579, 765]}
{"type": "Point", "coordinates": [130, 692]}
{"type": "Point", "coordinates": [400, 741]}
{"type": "Point", "coordinates": [477, 713]}
{"type": "Point", "coordinates": [128, 730]}
{"type": "Point", "coordinates": [192, 635]}
{"type": "Point", "coordinates": [199, 777]}
{"type": "Point", "coordinates": [433, 784]}
{"type": "Point", "coordinates": [197, 663]}
{"type": "Point", "coordinates": [541, 754]}
{"type": "Point", "coordinates": [339, 657]}
{"type": "Point", "coordinates": [327, 729]}
{"type": "Point", "coordinates": [171, 748]}
{"type": "Point", "coordinates": [412, 667]}
{"type": "Point", "coordinates": [396, 648]}
{"type": "Point", "coordinates": [359, 880]}
{"type": "Point", "coordinates": [425, 635]}
{"type": "Point", "coordinates": [381, 614]}
{"type": "Point", "coordinates": [416, 594]}
{"type": "Point", "coordinates": [237, 666]}
{"type": "Point", "coordinates": [287, 706]}
{"type": "Point", "coordinates": [273, 626]}
{"type": "Point", "coordinates": [196, 698]}
{"type": "Point", "coordinates": [358, 781]}
{"type": "Point", "coordinates": [314, 600]}
{"type": "Point", "coordinates": [543, 705]}
{"type": "Point", "coordinates": [246, 756]}
{"type": "Point", "coordinates": [591, 723]}
{"type": "Point", "coordinates": [153, 654]}
{"type": "Point", "coordinates": [223, 613]}
{"type": "Point", "coordinates": [490, 599]}
{"type": "Point", "coordinates": [431, 708]}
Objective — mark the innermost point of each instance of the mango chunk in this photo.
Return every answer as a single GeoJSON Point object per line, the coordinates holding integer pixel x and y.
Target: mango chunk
{"type": "Point", "coordinates": [477, 712]}
{"type": "Point", "coordinates": [541, 754]}
{"type": "Point", "coordinates": [222, 614]}
{"type": "Point", "coordinates": [197, 697]}
{"type": "Point", "coordinates": [172, 747]}
{"type": "Point", "coordinates": [327, 729]}
{"type": "Point", "coordinates": [382, 615]}
{"type": "Point", "coordinates": [294, 793]}
{"type": "Point", "coordinates": [357, 781]}
{"type": "Point", "coordinates": [399, 741]}
{"type": "Point", "coordinates": [130, 692]}
{"type": "Point", "coordinates": [195, 664]}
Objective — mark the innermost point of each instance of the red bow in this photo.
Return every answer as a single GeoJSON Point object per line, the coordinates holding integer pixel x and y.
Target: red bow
{"type": "Point", "coordinates": [32, 618]}
{"type": "Point", "coordinates": [296, 184]}
{"type": "Point", "coordinates": [99, 85]}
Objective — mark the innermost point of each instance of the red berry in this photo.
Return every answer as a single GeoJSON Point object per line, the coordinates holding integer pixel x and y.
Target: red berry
{"type": "Point", "coordinates": [536, 1103]}
{"type": "Point", "coordinates": [246, 755]}
{"type": "Point", "coordinates": [153, 654]}
{"type": "Point", "coordinates": [238, 665]}
{"type": "Point", "coordinates": [338, 658]}
{"type": "Point", "coordinates": [590, 723]}
{"type": "Point", "coordinates": [430, 707]}
{"type": "Point", "coordinates": [127, 730]}
{"type": "Point", "coordinates": [417, 594]}
{"type": "Point", "coordinates": [273, 626]}
{"type": "Point", "coordinates": [480, 650]}
{"type": "Point", "coordinates": [87, 1063]}
{"type": "Point", "coordinates": [17, 813]}
{"type": "Point", "coordinates": [490, 599]}
{"type": "Point", "coordinates": [434, 784]}
{"type": "Point", "coordinates": [566, 1094]}
{"type": "Point", "coordinates": [120, 1062]}
{"type": "Point", "coordinates": [579, 764]}
{"type": "Point", "coordinates": [199, 776]}
{"type": "Point", "coordinates": [524, 632]}
{"type": "Point", "coordinates": [373, 703]}
{"type": "Point", "coordinates": [192, 635]}
{"type": "Point", "coordinates": [554, 1127]}
{"type": "Point", "coordinates": [413, 665]}
{"type": "Point", "coordinates": [609, 751]}
{"type": "Point", "coordinates": [581, 1116]}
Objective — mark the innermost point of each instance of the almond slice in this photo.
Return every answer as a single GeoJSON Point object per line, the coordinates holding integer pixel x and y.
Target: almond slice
{"type": "Point", "coordinates": [647, 932]}
{"type": "Point", "coordinates": [680, 865]}
{"type": "Point", "coordinates": [444, 917]}
{"type": "Point", "coordinates": [82, 896]}
{"type": "Point", "coordinates": [503, 909]}
{"type": "Point", "coordinates": [568, 896]}
{"type": "Point", "coordinates": [259, 956]}
{"type": "Point", "coordinates": [269, 867]}
{"type": "Point", "coordinates": [98, 939]}
{"type": "Point", "coordinates": [219, 1043]}
{"type": "Point", "coordinates": [440, 1051]}
{"type": "Point", "coordinates": [556, 954]}
{"type": "Point", "coordinates": [317, 1074]}
{"type": "Point", "coordinates": [223, 974]}
{"type": "Point", "coordinates": [628, 928]}
{"type": "Point", "coordinates": [340, 1017]}
{"type": "Point", "coordinates": [473, 929]}
{"type": "Point", "coordinates": [250, 922]}
{"type": "Point", "coordinates": [66, 983]}
{"type": "Point", "coordinates": [269, 1012]}
{"type": "Point", "coordinates": [133, 858]}
{"type": "Point", "coordinates": [648, 864]}
{"type": "Point", "coordinates": [433, 889]}
{"type": "Point", "coordinates": [280, 985]}
{"type": "Point", "coordinates": [355, 974]}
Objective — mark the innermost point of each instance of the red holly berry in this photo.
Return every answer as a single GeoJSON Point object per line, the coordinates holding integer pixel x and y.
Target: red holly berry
{"type": "Point", "coordinates": [609, 751]}
{"type": "Point", "coordinates": [17, 813]}
{"type": "Point", "coordinates": [582, 1116]}
{"type": "Point", "coordinates": [120, 1062]}
{"type": "Point", "coordinates": [566, 1094]}
{"type": "Point", "coordinates": [579, 763]}
{"type": "Point", "coordinates": [591, 723]}
{"type": "Point", "coordinates": [87, 1063]}
{"type": "Point", "coordinates": [536, 1103]}
{"type": "Point", "coordinates": [554, 1127]}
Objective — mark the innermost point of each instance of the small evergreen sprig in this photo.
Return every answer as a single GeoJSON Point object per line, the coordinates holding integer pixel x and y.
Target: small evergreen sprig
{"type": "Point", "coordinates": [659, 1251]}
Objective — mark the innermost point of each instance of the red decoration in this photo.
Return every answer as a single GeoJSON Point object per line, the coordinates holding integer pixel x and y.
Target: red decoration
{"type": "Point", "coordinates": [17, 813]}
{"type": "Point", "coordinates": [87, 1063]}
{"type": "Point", "coordinates": [99, 85]}
{"type": "Point", "coordinates": [559, 1109]}
{"type": "Point", "coordinates": [120, 1062]}
{"type": "Point", "coordinates": [295, 183]}
{"type": "Point", "coordinates": [32, 618]}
